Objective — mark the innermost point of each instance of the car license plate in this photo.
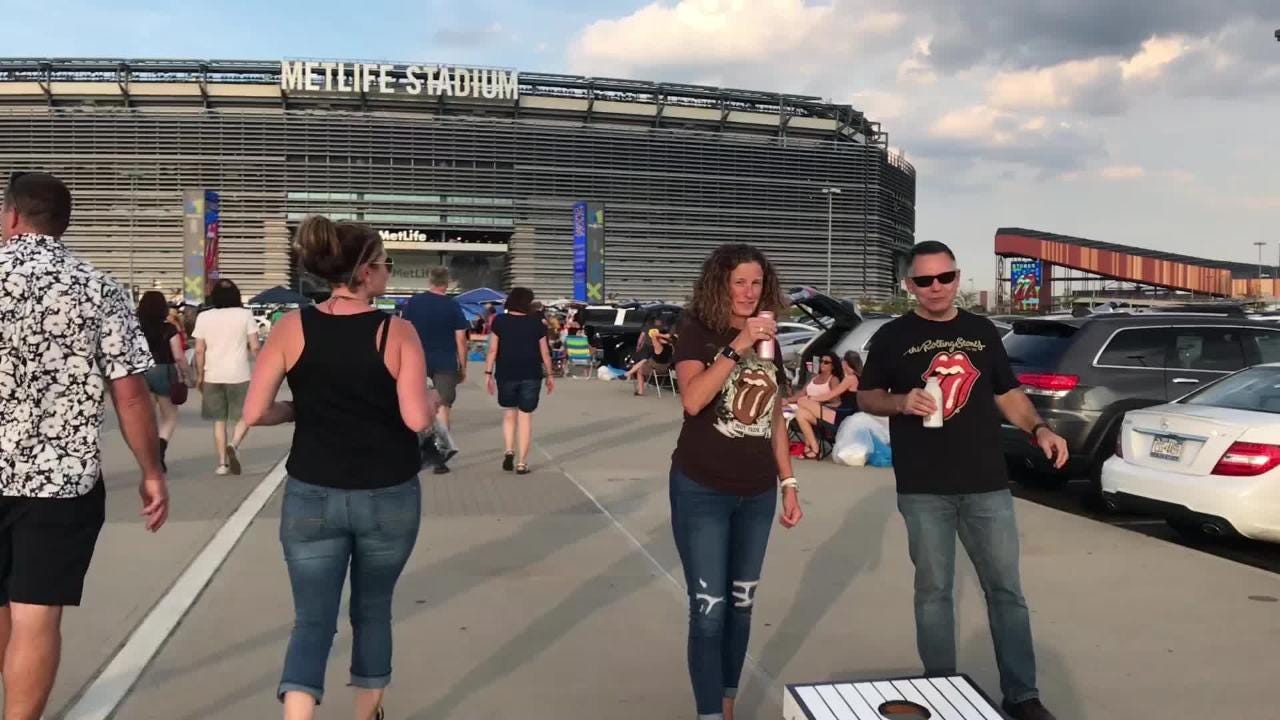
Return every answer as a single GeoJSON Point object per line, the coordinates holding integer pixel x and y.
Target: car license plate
{"type": "Point", "coordinates": [1168, 448]}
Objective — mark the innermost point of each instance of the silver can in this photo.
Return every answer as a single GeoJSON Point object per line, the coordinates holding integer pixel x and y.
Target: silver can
{"type": "Point", "coordinates": [764, 348]}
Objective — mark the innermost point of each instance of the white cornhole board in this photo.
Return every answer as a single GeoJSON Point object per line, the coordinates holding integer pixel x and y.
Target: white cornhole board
{"type": "Point", "coordinates": [946, 698]}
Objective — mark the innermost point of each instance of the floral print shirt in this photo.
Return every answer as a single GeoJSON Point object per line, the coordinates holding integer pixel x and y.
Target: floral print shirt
{"type": "Point", "coordinates": [66, 330]}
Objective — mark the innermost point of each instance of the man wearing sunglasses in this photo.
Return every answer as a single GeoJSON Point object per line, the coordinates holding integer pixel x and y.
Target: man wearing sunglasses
{"type": "Point", "coordinates": [952, 480]}
{"type": "Point", "coordinates": [67, 333]}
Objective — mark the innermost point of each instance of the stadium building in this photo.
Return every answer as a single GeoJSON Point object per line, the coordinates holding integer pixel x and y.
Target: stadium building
{"type": "Point", "coordinates": [477, 168]}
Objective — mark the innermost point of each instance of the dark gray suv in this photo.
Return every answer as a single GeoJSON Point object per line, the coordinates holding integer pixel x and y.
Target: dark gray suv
{"type": "Point", "coordinates": [1084, 373]}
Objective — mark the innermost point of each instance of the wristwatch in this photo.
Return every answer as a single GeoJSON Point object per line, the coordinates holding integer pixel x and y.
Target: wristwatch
{"type": "Point", "coordinates": [1035, 428]}
{"type": "Point", "coordinates": [730, 353]}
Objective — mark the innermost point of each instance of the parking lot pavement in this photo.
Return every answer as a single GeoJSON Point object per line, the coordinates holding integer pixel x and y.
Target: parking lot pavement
{"type": "Point", "coordinates": [553, 595]}
{"type": "Point", "coordinates": [132, 568]}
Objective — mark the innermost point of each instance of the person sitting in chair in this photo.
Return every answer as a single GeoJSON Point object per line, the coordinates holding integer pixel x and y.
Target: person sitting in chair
{"type": "Point", "coordinates": [653, 355]}
{"type": "Point", "coordinates": [814, 409]}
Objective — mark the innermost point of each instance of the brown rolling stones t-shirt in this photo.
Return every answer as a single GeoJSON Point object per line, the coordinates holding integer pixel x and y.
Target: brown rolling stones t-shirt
{"type": "Point", "coordinates": [729, 445]}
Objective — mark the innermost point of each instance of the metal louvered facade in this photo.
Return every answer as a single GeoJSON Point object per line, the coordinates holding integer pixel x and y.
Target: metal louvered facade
{"type": "Point", "coordinates": [679, 170]}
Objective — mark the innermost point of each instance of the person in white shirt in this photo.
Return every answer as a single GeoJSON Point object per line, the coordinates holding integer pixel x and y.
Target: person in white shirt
{"type": "Point", "coordinates": [226, 341]}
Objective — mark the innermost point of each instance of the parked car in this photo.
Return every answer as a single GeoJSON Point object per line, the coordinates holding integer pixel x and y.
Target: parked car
{"type": "Point", "coordinates": [833, 318]}
{"type": "Point", "coordinates": [1084, 373]}
{"type": "Point", "coordinates": [1209, 463]}
{"type": "Point", "coordinates": [614, 330]}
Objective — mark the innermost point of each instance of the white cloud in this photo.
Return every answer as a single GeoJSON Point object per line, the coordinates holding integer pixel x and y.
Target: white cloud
{"type": "Point", "coordinates": [1154, 57]}
{"type": "Point", "coordinates": [1053, 88]}
{"type": "Point", "coordinates": [723, 33]}
{"type": "Point", "coordinates": [880, 105]}
{"type": "Point", "coordinates": [1122, 172]}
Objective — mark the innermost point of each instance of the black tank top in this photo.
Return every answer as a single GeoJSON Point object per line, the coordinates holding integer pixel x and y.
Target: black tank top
{"type": "Point", "coordinates": [349, 433]}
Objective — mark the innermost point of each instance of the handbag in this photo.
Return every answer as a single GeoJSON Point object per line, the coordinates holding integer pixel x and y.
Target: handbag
{"type": "Point", "coordinates": [177, 388]}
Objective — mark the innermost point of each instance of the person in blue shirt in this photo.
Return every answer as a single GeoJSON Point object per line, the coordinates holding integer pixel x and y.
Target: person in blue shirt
{"type": "Point", "coordinates": [442, 327]}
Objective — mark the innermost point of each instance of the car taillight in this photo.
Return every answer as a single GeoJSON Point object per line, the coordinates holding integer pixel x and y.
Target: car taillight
{"type": "Point", "coordinates": [1049, 382]}
{"type": "Point", "coordinates": [1246, 458]}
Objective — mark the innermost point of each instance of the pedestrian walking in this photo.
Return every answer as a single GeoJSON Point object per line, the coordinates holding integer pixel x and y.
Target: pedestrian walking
{"type": "Point", "coordinates": [951, 474]}
{"type": "Point", "coordinates": [442, 327]}
{"type": "Point", "coordinates": [518, 361]}
{"type": "Point", "coordinates": [167, 380]}
{"type": "Point", "coordinates": [352, 500]}
{"type": "Point", "coordinates": [730, 461]}
{"type": "Point", "coordinates": [226, 341]}
{"type": "Point", "coordinates": [68, 338]}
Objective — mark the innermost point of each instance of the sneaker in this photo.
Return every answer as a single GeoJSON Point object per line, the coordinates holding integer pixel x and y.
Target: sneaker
{"type": "Point", "coordinates": [233, 462]}
{"type": "Point", "coordinates": [1031, 709]}
{"type": "Point", "coordinates": [441, 469]}
{"type": "Point", "coordinates": [509, 462]}
{"type": "Point", "coordinates": [222, 470]}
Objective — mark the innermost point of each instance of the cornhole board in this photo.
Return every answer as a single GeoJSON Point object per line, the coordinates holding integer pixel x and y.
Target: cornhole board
{"type": "Point", "coordinates": [954, 697]}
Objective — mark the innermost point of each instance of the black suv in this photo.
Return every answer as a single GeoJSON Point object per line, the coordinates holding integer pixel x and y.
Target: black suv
{"type": "Point", "coordinates": [1084, 373]}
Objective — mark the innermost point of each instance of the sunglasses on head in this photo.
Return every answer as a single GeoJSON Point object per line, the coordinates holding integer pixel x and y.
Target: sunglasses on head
{"type": "Point", "coordinates": [924, 281]}
{"type": "Point", "coordinates": [13, 176]}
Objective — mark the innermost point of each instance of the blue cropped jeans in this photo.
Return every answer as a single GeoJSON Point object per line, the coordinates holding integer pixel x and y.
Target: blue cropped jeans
{"type": "Point", "coordinates": [324, 532]}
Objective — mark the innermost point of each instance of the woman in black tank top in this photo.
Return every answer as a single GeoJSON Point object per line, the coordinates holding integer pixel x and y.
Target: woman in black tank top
{"type": "Point", "coordinates": [352, 500]}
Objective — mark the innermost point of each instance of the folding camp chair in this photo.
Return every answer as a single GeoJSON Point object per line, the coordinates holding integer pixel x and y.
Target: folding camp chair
{"type": "Point", "coordinates": [579, 354]}
{"type": "Point", "coordinates": [656, 377]}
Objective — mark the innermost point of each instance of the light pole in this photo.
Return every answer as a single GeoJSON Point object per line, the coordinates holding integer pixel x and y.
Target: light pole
{"type": "Point", "coordinates": [830, 192]}
{"type": "Point", "coordinates": [133, 177]}
{"type": "Point", "coordinates": [1259, 243]}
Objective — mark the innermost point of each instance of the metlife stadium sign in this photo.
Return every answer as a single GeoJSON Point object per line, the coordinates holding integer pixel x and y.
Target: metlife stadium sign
{"type": "Point", "coordinates": [357, 78]}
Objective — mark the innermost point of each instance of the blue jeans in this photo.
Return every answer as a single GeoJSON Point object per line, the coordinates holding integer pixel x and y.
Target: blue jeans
{"type": "Point", "coordinates": [986, 525]}
{"type": "Point", "coordinates": [721, 539]}
{"type": "Point", "coordinates": [323, 530]}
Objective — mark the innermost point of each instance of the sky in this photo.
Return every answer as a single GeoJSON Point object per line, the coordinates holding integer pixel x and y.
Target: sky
{"type": "Point", "coordinates": [1147, 122]}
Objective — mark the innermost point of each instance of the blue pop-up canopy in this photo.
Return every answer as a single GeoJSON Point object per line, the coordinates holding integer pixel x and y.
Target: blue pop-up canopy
{"type": "Point", "coordinates": [481, 296]}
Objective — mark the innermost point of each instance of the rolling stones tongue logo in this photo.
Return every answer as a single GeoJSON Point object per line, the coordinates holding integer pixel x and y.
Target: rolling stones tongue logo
{"type": "Point", "coordinates": [755, 389]}
{"type": "Point", "coordinates": [956, 374]}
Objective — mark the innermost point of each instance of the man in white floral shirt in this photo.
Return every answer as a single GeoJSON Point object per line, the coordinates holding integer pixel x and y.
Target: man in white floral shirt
{"type": "Point", "coordinates": [67, 337]}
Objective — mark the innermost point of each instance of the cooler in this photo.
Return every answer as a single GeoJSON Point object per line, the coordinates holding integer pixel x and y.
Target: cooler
{"type": "Point", "coordinates": [938, 698]}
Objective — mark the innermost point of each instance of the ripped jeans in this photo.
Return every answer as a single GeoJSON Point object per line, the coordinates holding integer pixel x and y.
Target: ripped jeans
{"type": "Point", "coordinates": [721, 539]}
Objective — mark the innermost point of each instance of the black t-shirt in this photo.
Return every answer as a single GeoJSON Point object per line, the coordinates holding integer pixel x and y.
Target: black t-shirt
{"type": "Point", "coordinates": [158, 340]}
{"type": "Point", "coordinates": [964, 455]}
{"type": "Point", "coordinates": [729, 445]}
{"type": "Point", "coordinates": [519, 347]}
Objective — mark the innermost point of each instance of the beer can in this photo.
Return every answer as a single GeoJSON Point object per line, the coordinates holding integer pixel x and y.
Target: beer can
{"type": "Point", "coordinates": [764, 348]}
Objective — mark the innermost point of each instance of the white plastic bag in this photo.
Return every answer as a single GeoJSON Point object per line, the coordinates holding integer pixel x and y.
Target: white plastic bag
{"type": "Point", "coordinates": [854, 438]}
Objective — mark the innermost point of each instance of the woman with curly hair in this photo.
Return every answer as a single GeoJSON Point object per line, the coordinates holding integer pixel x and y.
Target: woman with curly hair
{"type": "Point", "coordinates": [729, 463]}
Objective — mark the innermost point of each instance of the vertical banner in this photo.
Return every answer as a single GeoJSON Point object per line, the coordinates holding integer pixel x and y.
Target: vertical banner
{"type": "Point", "coordinates": [193, 255]}
{"type": "Point", "coordinates": [212, 224]}
{"type": "Point", "coordinates": [595, 252]}
{"type": "Point", "coordinates": [580, 251]}
{"type": "Point", "coordinates": [1024, 279]}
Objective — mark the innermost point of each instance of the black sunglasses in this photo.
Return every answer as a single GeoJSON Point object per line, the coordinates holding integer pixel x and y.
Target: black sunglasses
{"type": "Point", "coordinates": [946, 278]}
{"type": "Point", "coordinates": [826, 362]}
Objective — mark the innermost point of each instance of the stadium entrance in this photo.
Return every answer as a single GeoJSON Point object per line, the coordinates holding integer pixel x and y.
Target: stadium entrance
{"type": "Point", "coordinates": [475, 258]}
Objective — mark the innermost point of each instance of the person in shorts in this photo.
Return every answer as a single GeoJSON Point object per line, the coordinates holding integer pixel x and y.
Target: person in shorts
{"type": "Point", "coordinates": [442, 327]}
{"type": "Point", "coordinates": [519, 358]}
{"type": "Point", "coordinates": [52, 495]}
{"type": "Point", "coordinates": [226, 341]}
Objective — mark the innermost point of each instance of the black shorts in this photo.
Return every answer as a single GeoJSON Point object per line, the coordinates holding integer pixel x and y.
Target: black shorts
{"type": "Point", "coordinates": [46, 545]}
{"type": "Point", "coordinates": [519, 395]}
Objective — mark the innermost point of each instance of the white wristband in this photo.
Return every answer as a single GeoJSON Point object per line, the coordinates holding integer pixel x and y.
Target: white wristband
{"type": "Point", "coordinates": [789, 482]}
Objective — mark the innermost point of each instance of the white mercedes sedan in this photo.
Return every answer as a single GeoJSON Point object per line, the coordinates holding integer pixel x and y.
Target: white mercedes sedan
{"type": "Point", "coordinates": [1209, 463]}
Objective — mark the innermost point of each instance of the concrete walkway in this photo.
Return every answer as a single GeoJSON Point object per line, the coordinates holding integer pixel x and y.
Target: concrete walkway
{"type": "Point", "coordinates": [527, 599]}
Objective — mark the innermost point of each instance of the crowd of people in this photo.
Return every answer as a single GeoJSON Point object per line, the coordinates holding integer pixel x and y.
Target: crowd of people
{"type": "Point", "coordinates": [370, 398]}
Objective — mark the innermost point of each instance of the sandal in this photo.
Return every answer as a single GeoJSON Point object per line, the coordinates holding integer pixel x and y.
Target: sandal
{"type": "Point", "coordinates": [522, 469]}
{"type": "Point", "coordinates": [508, 461]}
{"type": "Point", "coordinates": [379, 714]}
{"type": "Point", "coordinates": [809, 454]}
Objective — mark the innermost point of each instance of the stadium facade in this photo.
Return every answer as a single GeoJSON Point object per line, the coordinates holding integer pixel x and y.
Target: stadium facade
{"type": "Point", "coordinates": [476, 167]}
